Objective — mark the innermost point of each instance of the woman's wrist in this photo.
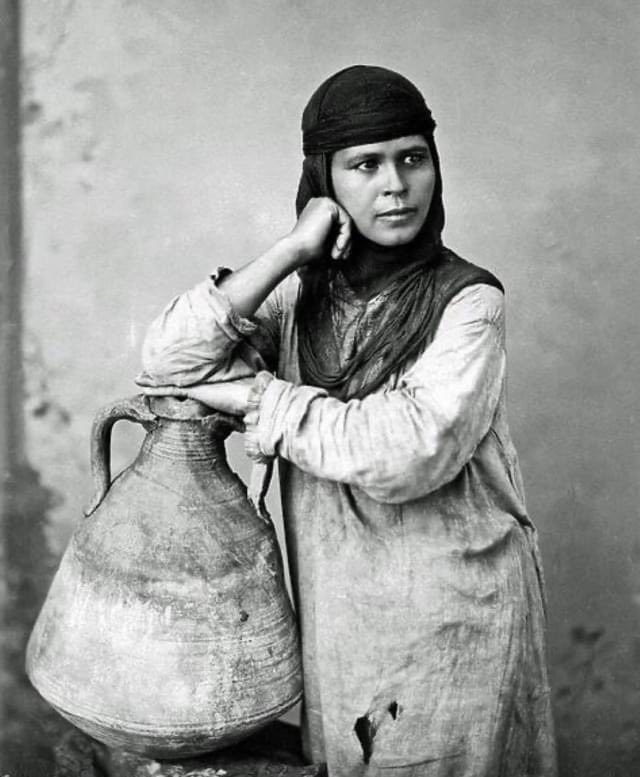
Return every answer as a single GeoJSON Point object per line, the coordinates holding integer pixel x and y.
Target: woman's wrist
{"type": "Point", "coordinates": [252, 417]}
{"type": "Point", "coordinates": [247, 288]}
{"type": "Point", "coordinates": [290, 253]}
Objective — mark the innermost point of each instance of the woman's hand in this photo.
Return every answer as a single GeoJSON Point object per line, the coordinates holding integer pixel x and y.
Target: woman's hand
{"type": "Point", "coordinates": [324, 228]}
{"type": "Point", "coordinates": [321, 220]}
{"type": "Point", "coordinates": [231, 397]}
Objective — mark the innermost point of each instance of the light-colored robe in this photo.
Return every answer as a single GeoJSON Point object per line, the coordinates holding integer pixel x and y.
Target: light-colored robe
{"type": "Point", "coordinates": [414, 564]}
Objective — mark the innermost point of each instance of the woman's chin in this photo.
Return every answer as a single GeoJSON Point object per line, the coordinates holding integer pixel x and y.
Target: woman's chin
{"type": "Point", "coordinates": [392, 238]}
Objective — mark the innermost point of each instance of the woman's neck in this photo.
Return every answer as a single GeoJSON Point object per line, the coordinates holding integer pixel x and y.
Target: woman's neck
{"type": "Point", "coordinates": [370, 267]}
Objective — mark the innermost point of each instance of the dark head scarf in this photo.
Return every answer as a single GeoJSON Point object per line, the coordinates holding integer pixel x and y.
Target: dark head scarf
{"type": "Point", "coordinates": [359, 105]}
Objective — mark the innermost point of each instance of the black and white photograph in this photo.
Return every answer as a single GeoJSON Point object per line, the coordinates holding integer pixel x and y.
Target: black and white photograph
{"type": "Point", "coordinates": [319, 385]}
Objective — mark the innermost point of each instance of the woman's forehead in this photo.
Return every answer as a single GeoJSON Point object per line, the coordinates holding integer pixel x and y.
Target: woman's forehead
{"type": "Point", "coordinates": [392, 146]}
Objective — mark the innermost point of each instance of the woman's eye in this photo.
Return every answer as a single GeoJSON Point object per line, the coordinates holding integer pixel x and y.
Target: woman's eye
{"type": "Point", "coordinates": [413, 160]}
{"type": "Point", "coordinates": [367, 165]}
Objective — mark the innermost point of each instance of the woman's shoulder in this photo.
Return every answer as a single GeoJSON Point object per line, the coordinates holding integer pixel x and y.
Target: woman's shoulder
{"type": "Point", "coordinates": [477, 302]}
{"type": "Point", "coordinates": [474, 292]}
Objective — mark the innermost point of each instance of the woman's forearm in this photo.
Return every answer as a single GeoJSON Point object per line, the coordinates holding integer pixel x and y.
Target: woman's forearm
{"type": "Point", "coordinates": [248, 287]}
{"type": "Point", "coordinates": [192, 340]}
{"type": "Point", "coordinates": [402, 443]}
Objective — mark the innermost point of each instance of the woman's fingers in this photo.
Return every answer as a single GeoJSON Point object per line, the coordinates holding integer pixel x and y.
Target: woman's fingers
{"type": "Point", "coordinates": [341, 250]}
{"type": "Point", "coordinates": [342, 244]}
{"type": "Point", "coordinates": [229, 397]}
{"type": "Point", "coordinates": [322, 219]}
{"type": "Point", "coordinates": [164, 391]}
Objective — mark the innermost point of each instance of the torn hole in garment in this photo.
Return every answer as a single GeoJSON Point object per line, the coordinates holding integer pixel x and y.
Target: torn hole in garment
{"type": "Point", "coordinates": [366, 727]}
{"type": "Point", "coordinates": [365, 730]}
{"type": "Point", "coordinates": [394, 709]}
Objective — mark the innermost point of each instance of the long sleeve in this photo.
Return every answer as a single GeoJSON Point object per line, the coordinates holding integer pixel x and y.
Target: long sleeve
{"type": "Point", "coordinates": [199, 338]}
{"type": "Point", "coordinates": [399, 444]}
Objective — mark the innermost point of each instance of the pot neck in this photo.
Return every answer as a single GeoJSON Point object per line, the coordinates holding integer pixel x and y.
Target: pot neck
{"type": "Point", "coordinates": [187, 430]}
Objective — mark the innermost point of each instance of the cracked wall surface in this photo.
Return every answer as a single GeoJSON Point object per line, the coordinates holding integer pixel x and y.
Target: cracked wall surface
{"type": "Point", "coordinates": [161, 140]}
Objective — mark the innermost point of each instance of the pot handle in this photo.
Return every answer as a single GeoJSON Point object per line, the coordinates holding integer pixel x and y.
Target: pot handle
{"type": "Point", "coordinates": [131, 409]}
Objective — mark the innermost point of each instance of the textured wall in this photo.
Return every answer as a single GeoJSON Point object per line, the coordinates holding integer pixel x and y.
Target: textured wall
{"type": "Point", "coordinates": [162, 139]}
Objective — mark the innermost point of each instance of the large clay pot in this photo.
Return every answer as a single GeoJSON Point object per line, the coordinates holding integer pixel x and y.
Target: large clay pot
{"type": "Point", "coordinates": [167, 629]}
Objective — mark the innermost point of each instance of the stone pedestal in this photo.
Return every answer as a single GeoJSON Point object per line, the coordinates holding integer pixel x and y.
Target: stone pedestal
{"type": "Point", "coordinates": [272, 752]}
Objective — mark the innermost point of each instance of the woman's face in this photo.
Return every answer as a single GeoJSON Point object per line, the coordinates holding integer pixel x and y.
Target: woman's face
{"type": "Point", "coordinates": [385, 187]}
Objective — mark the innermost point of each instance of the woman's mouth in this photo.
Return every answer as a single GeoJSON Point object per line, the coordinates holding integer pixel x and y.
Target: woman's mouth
{"type": "Point", "coordinates": [397, 214]}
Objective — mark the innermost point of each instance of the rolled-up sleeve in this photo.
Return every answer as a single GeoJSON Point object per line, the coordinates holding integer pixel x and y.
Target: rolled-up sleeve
{"type": "Point", "coordinates": [399, 444]}
{"type": "Point", "coordinates": [199, 338]}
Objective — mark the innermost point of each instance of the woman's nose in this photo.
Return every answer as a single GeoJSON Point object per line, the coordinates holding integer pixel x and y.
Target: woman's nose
{"type": "Point", "coordinates": [393, 182]}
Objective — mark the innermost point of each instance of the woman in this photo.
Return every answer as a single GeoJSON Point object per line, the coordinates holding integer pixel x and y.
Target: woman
{"type": "Point", "coordinates": [414, 564]}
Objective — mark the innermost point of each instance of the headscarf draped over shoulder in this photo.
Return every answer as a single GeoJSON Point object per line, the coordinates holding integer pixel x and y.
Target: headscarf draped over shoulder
{"type": "Point", "coordinates": [356, 106]}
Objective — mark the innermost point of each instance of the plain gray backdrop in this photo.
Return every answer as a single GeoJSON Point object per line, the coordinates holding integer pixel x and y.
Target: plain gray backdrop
{"type": "Point", "coordinates": [162, 140]}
